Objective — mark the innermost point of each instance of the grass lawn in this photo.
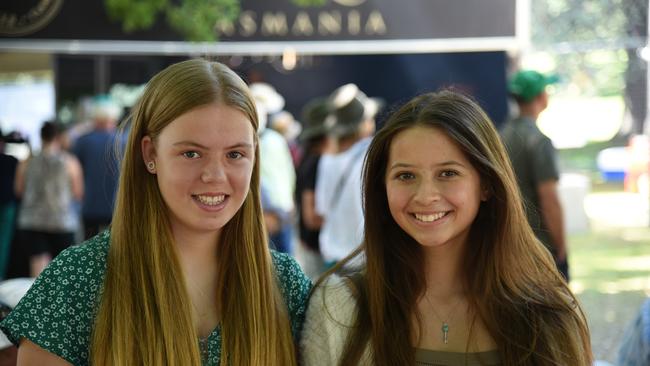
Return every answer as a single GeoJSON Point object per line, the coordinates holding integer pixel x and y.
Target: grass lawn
{"type": "Point", "coordinates": [609, 263]}
{"type": "Point", "coordinates": [610, 271]}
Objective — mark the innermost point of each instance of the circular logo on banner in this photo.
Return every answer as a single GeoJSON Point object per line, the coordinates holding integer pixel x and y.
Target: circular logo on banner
{"type": "Point", "coordinates": [350, 3]}
{"type": "Point", "coordinates": [30, 18]}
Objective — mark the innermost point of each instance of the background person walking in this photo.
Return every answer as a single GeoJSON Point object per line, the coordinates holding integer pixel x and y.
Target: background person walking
{"type": "Point", "coordinates": [535, 164]}
{"type": "Point", "coordinates": [48, 183]}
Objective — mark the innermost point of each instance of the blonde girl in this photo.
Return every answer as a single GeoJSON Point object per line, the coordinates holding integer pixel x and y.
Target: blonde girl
{"type": "Point", "coordinates": [184, 275]}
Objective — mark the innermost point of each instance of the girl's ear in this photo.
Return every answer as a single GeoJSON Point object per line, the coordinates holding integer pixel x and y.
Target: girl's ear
{"type": "Point", "coordinates": [148, 153]}
{"type": "Point", "coordinates": [486, 193]}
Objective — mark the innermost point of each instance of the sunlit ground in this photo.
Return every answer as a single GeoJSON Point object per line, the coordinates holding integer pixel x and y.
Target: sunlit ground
{"type": "Point", "coordinates": [610, 266]}
{"type": "Point", "coordinates": [610, 254]}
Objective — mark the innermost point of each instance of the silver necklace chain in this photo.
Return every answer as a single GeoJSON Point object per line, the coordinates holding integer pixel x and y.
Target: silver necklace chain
{"type": "Point", "coordinates": [445, 321]}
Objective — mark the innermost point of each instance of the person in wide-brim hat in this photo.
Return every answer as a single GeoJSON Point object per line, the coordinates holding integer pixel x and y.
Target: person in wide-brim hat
{"type": "Point", "coordinates": [351, 108]}
{"type": "Point", "coordinates": [267, 100]}
{"type": "Point", "coordinates": [338, 186]}
{"type": "Point", "coordinates": [314, 117]}
{"type": "Point", "coordinates": [315, 141]}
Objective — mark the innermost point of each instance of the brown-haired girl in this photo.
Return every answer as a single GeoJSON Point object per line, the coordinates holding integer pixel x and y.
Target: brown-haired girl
{"type": "Point", "coordinates": [454, 274]}
{"type": "Point", "coordinates": [184, 276]}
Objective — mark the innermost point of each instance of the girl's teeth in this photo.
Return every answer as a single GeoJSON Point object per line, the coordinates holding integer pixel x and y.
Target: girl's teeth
{"type": "Point", "coordinates": [211, 200]}
{"type": "Point", "coordinates": [430, 218]}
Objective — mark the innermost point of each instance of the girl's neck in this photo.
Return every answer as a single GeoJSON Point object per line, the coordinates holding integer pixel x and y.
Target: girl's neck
{"type": "Point", "coordinates": [197, 255]}
{"type": "Point", "coordinates": [196, 251]}
{"type": "Point", "coordinates": [444, 273]}
{"type": "Point", "coordinates": [193, 240]}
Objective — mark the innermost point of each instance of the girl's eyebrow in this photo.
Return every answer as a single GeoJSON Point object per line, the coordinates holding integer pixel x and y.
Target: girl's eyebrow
{"type": "Point", "coordinates": [197, 145]}
{"type": "Point", "coordinates": [399, 165]}
{"type": "Point", "coordinates": [240, 145]}
{"type": "Point", "coordinates": [189, 144]}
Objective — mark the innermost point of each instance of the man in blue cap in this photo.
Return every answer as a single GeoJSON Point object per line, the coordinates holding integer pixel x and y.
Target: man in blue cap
{"type": "Point", "coordinates": [535, 163]}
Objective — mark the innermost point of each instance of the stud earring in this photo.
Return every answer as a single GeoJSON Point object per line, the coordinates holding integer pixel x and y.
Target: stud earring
{"type": "Point", "coordinates": [151, 166]}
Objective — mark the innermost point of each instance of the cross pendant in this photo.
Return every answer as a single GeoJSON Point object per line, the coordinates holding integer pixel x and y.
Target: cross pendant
{"type": "Point", "coordinates": [445, 332]}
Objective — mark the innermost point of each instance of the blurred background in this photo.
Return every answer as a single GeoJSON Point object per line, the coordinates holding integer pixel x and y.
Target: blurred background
{"type": "Point", "coordinates": [56, 56]}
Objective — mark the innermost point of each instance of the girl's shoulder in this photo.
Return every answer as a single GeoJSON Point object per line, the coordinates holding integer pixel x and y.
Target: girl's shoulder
{"type": "Point", "coordinates": [58, 311]}
{"type": "Point", "coordinates": [331, 317]}
{"type": "Point", "coordinates": [91, 254]}
{"type": "Point", "coordinates": [79, 269]}
{"type": "Point", "coordinates": [82, 266]}
{"type": "Point", "coordinates": [295, 287]}
{"type": "Point", "coordinates": [335, 299]}
{"type": "Point", "coordinates": [289, 272]}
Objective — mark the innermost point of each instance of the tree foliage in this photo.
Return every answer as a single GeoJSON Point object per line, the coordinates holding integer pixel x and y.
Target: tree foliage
{"type": "Point", "coordinates": [572, 21]}
{"type": "Point", "coordinates": [591, 41]}
{"type": "Point", "coordinates": [307, 3]}
{"type": "Point", "coordinates": [194, 19]}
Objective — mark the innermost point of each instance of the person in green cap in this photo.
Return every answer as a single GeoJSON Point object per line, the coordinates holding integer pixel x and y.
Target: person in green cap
{"type": "Point", "coordinates": [534, 161]}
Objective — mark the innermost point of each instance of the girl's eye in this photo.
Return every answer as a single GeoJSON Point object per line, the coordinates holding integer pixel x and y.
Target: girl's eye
{"type": "Point", "coordinates": [448, 174]}
{"type": "Point", "coordinates": [235, 155]}
{"type": "Point", "coordinates": [191, 154]}
{"type": "Point", "coordinates": [405, 176]}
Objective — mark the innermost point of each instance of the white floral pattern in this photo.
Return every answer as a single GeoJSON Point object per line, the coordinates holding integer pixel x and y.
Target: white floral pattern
{"type": "Point", "coordinates": [58, 311]}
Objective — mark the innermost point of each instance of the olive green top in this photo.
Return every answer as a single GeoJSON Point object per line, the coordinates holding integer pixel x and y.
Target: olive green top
{"type": "Point", "coordinates": [425, 357]}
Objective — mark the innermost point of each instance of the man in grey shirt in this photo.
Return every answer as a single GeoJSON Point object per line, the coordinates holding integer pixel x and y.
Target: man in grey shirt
{"type": "Point", "coordinates": [535, 163]}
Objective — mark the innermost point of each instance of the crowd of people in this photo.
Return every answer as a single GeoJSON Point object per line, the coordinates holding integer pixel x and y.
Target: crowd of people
{"type": "Point", "coordinates": [414, 243]}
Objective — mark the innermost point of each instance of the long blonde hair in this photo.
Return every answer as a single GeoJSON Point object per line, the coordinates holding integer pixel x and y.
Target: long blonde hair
{"type": "Point", "coordinates": [511, 278]}
{"type": "Point", "coordinates": [145, 314]}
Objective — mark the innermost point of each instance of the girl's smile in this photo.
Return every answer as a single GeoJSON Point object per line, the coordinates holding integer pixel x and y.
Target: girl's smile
{"type": "Point", "coordinates": [433, 190]}
{"type": "Point", "coordinates": [204, 161]}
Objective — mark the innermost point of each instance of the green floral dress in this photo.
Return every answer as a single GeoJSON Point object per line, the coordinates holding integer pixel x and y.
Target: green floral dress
{"type": "Point", "coordinates": [58, 311]}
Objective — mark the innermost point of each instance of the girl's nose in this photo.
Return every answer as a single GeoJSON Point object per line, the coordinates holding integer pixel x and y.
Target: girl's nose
{"type": "Point", "coordinates": [427, 193]}
{"type": "Point", "coordinates": [213, 172]}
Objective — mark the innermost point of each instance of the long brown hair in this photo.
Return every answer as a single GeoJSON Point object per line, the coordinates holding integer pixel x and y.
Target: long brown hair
{"type": "Point", "coordinates": [145, 314]}
{"type": "Point", "coordinates": [512, 281]}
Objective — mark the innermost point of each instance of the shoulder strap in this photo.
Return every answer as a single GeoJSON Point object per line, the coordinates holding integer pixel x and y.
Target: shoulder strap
{"type": "Point", "coordinates": [344, 177]}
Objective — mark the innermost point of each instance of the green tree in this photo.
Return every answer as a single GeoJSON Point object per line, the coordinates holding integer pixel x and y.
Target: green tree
{"type": "Point", "coordinates": [595, 44]}
{"type": "Point", "coordinates": [306, 3]}
{"type": "Point", "coordinates": [588, 40]}
{"type": "Point", "coordinates": [194, 19]}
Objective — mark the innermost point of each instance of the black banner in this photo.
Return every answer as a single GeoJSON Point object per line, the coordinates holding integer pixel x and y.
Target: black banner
{"type": "Point", "coordinates": [372, 20]}
{"type": "Point", "coordinates": [276, 20]}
